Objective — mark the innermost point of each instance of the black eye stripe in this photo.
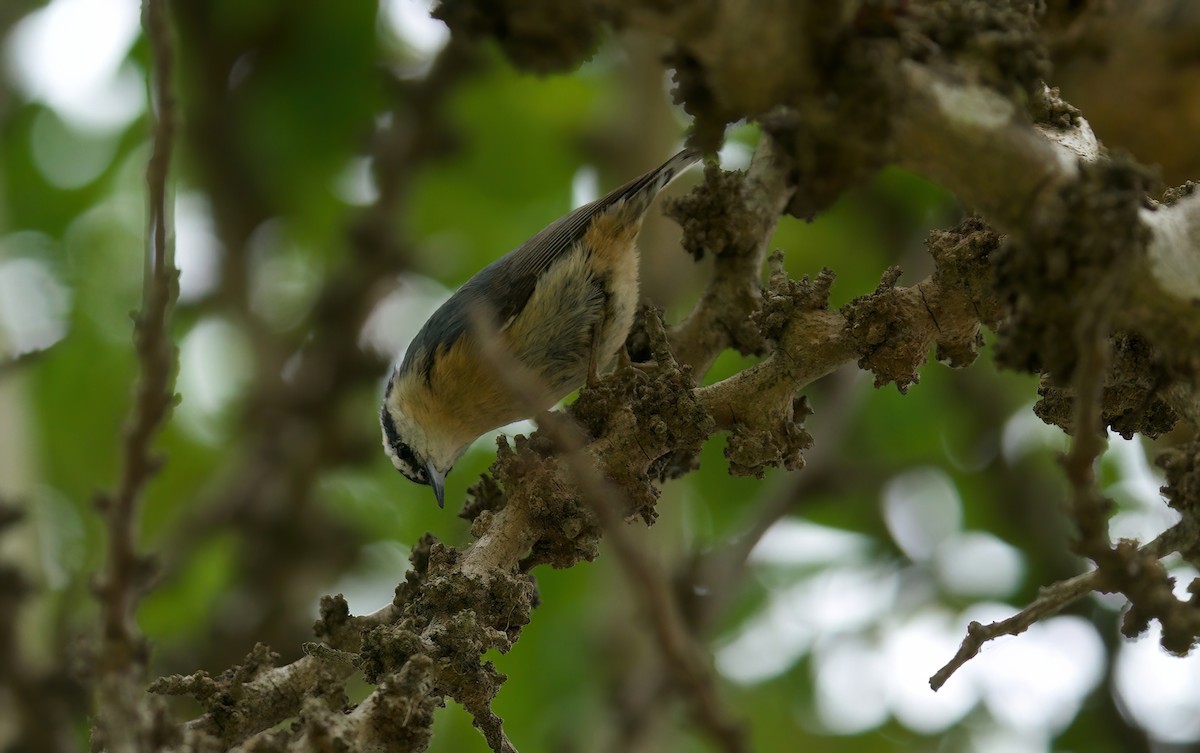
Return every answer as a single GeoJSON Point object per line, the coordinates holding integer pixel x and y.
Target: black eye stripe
{"type": "Point", "coordinates": [389, 427]}
{"type": "Point", "coordinates": [414, 470]}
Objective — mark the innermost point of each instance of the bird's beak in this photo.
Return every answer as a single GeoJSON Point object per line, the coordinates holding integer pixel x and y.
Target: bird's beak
{"type": "Point", "coordinates": [437, 480]}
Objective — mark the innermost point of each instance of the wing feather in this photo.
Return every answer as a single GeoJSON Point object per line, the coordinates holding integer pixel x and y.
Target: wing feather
{"type": "Point", "coordinates": [501, 289]}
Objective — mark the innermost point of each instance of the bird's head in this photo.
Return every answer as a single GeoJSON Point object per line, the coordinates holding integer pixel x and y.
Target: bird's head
{"type": "Point", "coordinates": [415, 453]}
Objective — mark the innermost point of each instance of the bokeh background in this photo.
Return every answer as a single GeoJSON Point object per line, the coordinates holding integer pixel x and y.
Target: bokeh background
{"type": "Point", "coordinates": [341, 168]}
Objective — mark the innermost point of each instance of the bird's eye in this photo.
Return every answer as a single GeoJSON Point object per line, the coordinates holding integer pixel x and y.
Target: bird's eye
{"type": "Point", "coordinates": [409, 465]}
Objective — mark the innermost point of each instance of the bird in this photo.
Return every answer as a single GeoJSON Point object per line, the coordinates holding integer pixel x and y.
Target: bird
{"type": "Point", "coordinates": [559, 307]}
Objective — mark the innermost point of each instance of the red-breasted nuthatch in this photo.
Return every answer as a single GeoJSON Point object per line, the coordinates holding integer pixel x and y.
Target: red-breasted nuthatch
{"type": "Point", "coordinates": [560, 306]}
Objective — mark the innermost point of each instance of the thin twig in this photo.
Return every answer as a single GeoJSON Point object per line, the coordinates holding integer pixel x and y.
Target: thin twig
{"type": "Point", "coordinates": [125, 572]}
{"type": "Point", "coordinates": [1051, 599]}
{"type": "Point", "coordinates": [156, 356]}
{"type": "Point", "coordinates": [1088, 506]}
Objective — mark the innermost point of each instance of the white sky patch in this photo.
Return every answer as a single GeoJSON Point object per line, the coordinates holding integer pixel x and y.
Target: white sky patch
{"type": "Point", "coordinates": [1036, 682]}
{"type": "Point", "coordinates": [585, 186]}
{"type": "Point", "coordinates": [735, 155]}
{"type": "Point", "coordinates": [355, 184]}
{"type": "Point", "coordinates": [68, 157]}
{"type": "Point", "coordinates": [1143, 514]}
{"type": "Point", "coordinates": [215, 364]}
{"type": "Point", "coordinates": [1160, 691]}
{"type": "Point", "coordinates": [844, 599]}
{"type": "Point", "coordinates": [372, 583]}
{"type": "Point", "coordinates": [1184, 574]}
{"type": "Point", "coordinates": [34, 304]}
{"type": "Point", "coordinates": [71, 56]}
{"type": "Point", "coordinates": [1024, 433]}
{"type": "Point", "coordinates": [850, 686]}
{"type": "Point", "coordinates": [400, 314]}
{"type": "Point", "coordinates": [410, 21]}
{"type": "Point", "coordinates": [767, 646]}
{"type": "Point", "coordinates": [914, 650]}
{"type": "Point", "coordinates": [197, 250]}
{"type": "Point", "coordinates": [793, 541]}
{"type": "Point", "coordinates": [921, 509]}
{"type": "Point", "coordinates": [977, 563]}
{"type": "Point", "coordinates": [834, 601]}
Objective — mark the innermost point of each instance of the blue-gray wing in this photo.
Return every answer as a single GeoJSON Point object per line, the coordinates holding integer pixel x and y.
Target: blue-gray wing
{"type": "Point", "coordinates": [501, 289]}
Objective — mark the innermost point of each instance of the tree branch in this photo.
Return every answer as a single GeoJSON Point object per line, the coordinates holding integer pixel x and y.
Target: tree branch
{"type": "Point", "coordinates": [975, 142]}
{"type": "Point", "coordinates": [1175, 247]}
{"type": "Point", "coordinates": [636, 419]}
{"type": "Point", "coordinates": [123, 716]}
{"type": "Point", "coordinates": [721, 317]}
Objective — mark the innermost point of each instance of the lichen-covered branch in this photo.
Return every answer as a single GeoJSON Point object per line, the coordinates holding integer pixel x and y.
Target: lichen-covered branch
{"type": "Point", "coordinates": [1174, 250]}
{"type": "Point", "coordinates": [888, 332]}
{"type": "Point", "coordinates": [641, 421]}
{"type": "Point", "coordinates": [980, 145]}
{"type": "Point", "coordinates": [732, 219]}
